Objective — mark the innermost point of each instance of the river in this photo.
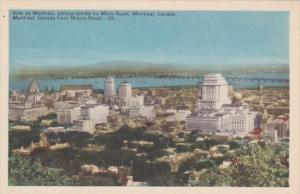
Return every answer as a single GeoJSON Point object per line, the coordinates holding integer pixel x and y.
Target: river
{"type": "Point", "coordinates": [148, 82]}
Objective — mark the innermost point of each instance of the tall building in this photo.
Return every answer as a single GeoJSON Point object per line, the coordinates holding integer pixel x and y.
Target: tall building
{"type": "Point", "coordinates": [109, 87]}
{"type": "Point", "coordinates": [215, 113]}
{"type": "Point", "coordinates": [125, 90]}
{"type": "Point", "coordinates": [212, 93]}
{"type": "Point", "coordinates": [125, 93]}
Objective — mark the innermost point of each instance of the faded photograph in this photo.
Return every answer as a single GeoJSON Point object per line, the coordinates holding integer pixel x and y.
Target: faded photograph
{"type": "Point", "coordinates": [149, 98]}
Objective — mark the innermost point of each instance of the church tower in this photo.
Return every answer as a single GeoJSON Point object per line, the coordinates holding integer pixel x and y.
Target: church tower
{"type": "Point", "coordinates": [34, 87]}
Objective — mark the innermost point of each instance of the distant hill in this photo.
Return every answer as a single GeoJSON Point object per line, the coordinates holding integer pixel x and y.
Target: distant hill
{"type": "Point", "coordinates": [136, 68]}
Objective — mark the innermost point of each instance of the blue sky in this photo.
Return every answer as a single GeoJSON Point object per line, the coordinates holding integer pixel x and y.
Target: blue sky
{"type": "Point", "coordinates": [191, 38]}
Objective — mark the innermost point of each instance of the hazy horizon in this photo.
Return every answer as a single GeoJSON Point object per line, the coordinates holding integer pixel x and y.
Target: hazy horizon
{"type": "Point", "coordinates": [191, 38]}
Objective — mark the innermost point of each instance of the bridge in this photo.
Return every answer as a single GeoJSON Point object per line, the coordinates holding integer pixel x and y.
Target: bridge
{"type": "Point", "coordinates": [234, 79]}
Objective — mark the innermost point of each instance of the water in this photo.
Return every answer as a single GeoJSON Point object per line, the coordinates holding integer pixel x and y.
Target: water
{"type": "Point", "coordinates": [147, 82]}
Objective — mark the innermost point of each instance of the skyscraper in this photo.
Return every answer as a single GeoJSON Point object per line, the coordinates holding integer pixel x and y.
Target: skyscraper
{"type": "Point", "coordinates": [109, 87]}
{"type": "Point", "coordinates": [125, 90]}
{"type": "Point", "coordinates": [125, 94]}
{"type": "Point", "coordinates": [216, 113]}
{"type": "Point", "coordinates": [212, 93]}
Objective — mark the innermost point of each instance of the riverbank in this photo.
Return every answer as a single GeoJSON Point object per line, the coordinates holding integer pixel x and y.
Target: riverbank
{"type": "Point", "coordinates": [151, 82]}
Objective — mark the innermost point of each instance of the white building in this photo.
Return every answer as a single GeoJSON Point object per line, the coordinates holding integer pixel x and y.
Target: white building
{"type": "Point", "coordinates": [214, 111]}
{"type": "Point", "coordinates": [97, 113]}
{"type": "Point", "coordinates": [34, 98]}
{"type": "Point", "coordinates": [142, 111]}
{"type": "Point", "coordinates": [125, 90]}
{"type": "Point", "coordinates": [179, 115]}
{"type": "Point", "coordinates": [76, 90]}
{"type": "Point", "coordinates": [68, 115]}
{"type": "Point", "coordinates": [84, 125]}
{"type": "Point", "coordinates": [34, 93]}
{"type": "Point", "coordinates": [125, 93]}
{"type": "Point", "coordinates": [88, 101]}
{"type": "Point", "coordinates": [137, 100]}
{"type": "Point", "coordinates": [212, 93]}
{"type": "Point", "coordinates": [90, 115]}
{"type": "Point", "coordinates": [22, 107]}
{"type": "Point", "coordinates": [64, 104]}
{"type": "Point", "coordinates": [109, 87]}
{"type": "Point", "coordinates": [27, 113]}
{"type": "Point", "coordinates": [69, 112]}
{"type": "Point", "coordinates": [126, 99]}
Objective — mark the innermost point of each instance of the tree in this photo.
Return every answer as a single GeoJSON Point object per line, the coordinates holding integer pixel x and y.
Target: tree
{"type": "Point", "coordinates": [255, 165]}
{"type": "Point", "coordinates": [212, 177]}
{"type": "Point", "coordinates": [22, 138]}
{"type": "Point", "coordinates": [234, 144]}
{"type": "Point", "coordinates": [205, 163]}
{"type": "Point", "coordinates": [97, 180]}
{"type": "Point", "coordinates": [259, 167]}
{"type": "Point", "coordinates": [26, 171]}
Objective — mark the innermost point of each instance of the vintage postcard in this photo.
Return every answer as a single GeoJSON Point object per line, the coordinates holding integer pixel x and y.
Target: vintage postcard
{"type": "Point", "coordinates": [150, 97]}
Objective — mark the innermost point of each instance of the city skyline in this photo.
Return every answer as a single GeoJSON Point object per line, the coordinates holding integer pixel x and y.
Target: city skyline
{"type": "Point", "coordinates": [152, 136]}
{"type": "Point", "coordinates": [140, 98]}
{"type": "Point", "coordinates": [238, 38]}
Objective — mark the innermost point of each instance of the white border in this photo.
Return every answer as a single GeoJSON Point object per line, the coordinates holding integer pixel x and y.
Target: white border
{"type": "Point", "coordinates": [292, 6]}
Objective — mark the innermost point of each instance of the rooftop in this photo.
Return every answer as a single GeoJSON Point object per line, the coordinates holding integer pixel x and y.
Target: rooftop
{"type": "Point", "coordinates": [76, 87]}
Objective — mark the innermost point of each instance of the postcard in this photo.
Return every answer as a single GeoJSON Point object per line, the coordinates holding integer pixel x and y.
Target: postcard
{"type": "Point", "coordinates": [184, 96]}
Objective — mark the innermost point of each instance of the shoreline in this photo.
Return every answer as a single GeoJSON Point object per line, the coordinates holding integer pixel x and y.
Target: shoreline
{"type": "Point", "coordinates": [183, 87]}
{"type": "Point", "coordinates": [158, 76]}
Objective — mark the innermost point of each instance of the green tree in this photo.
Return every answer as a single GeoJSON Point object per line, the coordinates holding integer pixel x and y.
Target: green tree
{"type": "Point", "coordinates": [205, 163]}
{"type": "Point", "coordinates": [212, 177]}
{"type": "Point", "coordinates": [27, 172]}
{"type": "Point", "coordinates": [259, 166]}
{"type": "Point", "coordinates": [255, 166]}
{"type": "Point", "coordinates": [22, 138]}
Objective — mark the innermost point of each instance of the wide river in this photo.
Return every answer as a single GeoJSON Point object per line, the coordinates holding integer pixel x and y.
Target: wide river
{"type": "Point", "coordinates": [148, 82]}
